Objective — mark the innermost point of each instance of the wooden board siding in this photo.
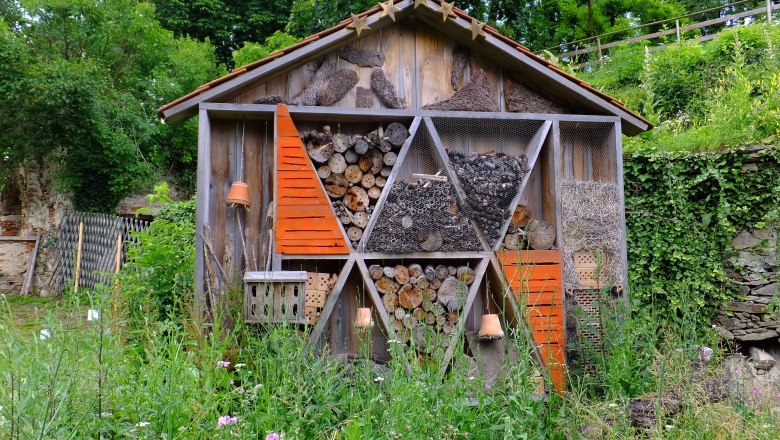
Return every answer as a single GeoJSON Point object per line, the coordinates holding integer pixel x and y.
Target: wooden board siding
{"type": "Point", "coordinates": [305, 223]}
{"type": "Point", "coordinates": [536, 280]}
{"type": "Point", "coordinates": [418, 62]}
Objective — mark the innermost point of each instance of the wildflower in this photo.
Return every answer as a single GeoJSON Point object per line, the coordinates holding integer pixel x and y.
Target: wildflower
{"type": "Point", "coordinates": [613, 405]}
{"type": "Point", "coordinates": [45, 334]}
{"type": "Point", "coordinates": [379, 379]}
{"type": "Point", "coordinates": [755, 391]}
{"type": "Point", "coordinates": [226, 420]}
{"type": "Point", "coordinates": [272, 436]}
{"type": "Point", "coordinates": [393, 341]}
{"type": "Point", "coordinates": [223, 364]}
{"type": "Point", "coordinates": [714, 326]}
{"type": "Point", "coordinates": [669, 426]}
{"type": "Point", "coordinates": [142, 424]}
{"type": "Point", "coordinates": [471, 378]}
{"type": "Point", "coordinates": [232, 382]}
{"type": "Point", "coordinates": [240, 390]}
{"type": "Point", "coordinates": [182, 428]}
{"type": "Point", "coordinates": [238, 366]}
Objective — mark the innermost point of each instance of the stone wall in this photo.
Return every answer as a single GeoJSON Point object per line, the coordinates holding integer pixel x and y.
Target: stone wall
{"type": "Point", "coordinates": [754, 270]}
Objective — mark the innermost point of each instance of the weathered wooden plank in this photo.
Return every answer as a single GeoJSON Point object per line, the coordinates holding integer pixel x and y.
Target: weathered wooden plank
{"type": "Point", "coordinates": [203, 205]}
{"type": "Point", "coordinates": [434, 65]}
{"type": "Point", "coordinates": [249, 94]}
{"type": "Point", "coordinates": [28, 276]}
{"type": "Point", "coordinates": [397, 45]}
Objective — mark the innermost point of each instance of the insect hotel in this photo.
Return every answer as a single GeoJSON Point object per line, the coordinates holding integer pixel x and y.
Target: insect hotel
{"type": "Point", "coordinates": [413, 175]}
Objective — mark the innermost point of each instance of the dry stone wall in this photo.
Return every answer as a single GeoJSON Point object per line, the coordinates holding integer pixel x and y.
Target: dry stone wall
{"type": "Point", "coordinates": [754, 270]}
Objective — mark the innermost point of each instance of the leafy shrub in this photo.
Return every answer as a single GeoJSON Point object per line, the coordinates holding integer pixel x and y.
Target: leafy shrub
{"type": "Point", "coordinates": [159, 272]}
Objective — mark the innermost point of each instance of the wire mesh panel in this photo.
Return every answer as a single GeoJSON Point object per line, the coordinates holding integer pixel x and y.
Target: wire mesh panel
{"type": "Point", "coordinates": [98, 251]}
{"type": "Point", "coordinates": [421, 212]}
{"type": "Point", "coordinates": [589, 151]}
{"type": "Point", "coordinates": [489, 158]}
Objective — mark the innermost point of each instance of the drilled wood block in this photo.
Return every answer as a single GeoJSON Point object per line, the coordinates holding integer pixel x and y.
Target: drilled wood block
{"type": "Point", "coordinates": [322, 281]}
{"type": "Point", "coordinates": [316, 298]}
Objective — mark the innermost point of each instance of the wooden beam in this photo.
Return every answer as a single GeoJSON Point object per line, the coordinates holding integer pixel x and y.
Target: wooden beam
{"type": "Point", "coordinates": [28, 277]}
{"type": "Point", "coordinates": [621, 198]}
{"type": "Point", "coordinates": [380, 203]}
{"type": "Point", "coordinates": [374, 295]}
{"type": "Point", "coordinates": [202, 208]}
{"type": "Point", "coordinates": [479, 275]}
{"type": "Point", "coordinates": [327, 310]}
{"type": "Point", "coordinates": [464, 200]}
{"type": "Point", "coordinates": [347, 114]}
{"type": "Point", "coordinates": [534, 147]}
{"type": "Point", "coordinates": [18, 238]}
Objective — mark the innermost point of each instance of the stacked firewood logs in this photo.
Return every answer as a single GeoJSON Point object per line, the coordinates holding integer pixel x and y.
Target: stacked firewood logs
{"type": "Point", "coordinates": [422, 217]}
{"type": "Point", "coordinates": [354, 169]}
{"type": "Point", "coordinates": [490, 182]}
{"type": "Point", "coordinates": [423, 301]}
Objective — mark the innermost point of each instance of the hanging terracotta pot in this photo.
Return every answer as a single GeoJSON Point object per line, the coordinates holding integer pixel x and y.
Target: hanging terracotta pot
{"type": "Point", "coordinates": [491, 327]}
{"type": "Point", "coordinates": [238, 194]}
{"type": "Point", "coordinates": [363, 318]}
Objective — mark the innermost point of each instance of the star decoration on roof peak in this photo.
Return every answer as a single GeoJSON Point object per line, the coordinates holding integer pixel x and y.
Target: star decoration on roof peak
{"type": "Point", "coordinates": [420, 2]}
{"type": "Point", "coordinates": [477, 28]}
{"type": "Point", "coordinates": [359, 24]}
{"type": "Point", "coordinates": [446, 10]}
{"type": "Point", "coordinates": [389, 9]}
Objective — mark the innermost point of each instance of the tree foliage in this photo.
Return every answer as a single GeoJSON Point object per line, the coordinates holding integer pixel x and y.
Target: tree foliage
{"type": "Point", "coordinates": [81, 82]}
{"type": "Point", "coordinates": [228, 24]}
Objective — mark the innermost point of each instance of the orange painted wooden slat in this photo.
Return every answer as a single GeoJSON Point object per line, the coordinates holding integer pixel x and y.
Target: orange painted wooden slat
{"type": "Point", "coordinates": [305, 223]}
{"type": "Point", "coordinates": [536, 276]}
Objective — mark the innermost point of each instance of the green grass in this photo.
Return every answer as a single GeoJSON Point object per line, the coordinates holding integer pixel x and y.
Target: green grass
{"type": "Point", "coordinates": [140, 378]}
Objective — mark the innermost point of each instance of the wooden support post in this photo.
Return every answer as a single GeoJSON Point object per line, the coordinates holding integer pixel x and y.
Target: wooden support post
{"type": "Point", "coordinates": [769, 10]}
{"type": "Point", "coordinates": [77, 276]}
{"type": "Point", "coordinates": [677, 29]}
{"type": "Point", "coordinates": [31, 267]}
{"type": "Point", "coordinates": [117, 266]}
{"type": "Point", "coordinates": [601, 52]}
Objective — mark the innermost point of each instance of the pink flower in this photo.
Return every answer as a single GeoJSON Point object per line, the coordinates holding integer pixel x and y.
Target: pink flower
{"type": "Point", "coordinates": [223, 364]}
{"type": "Point", "coordinates": [232, 382]}
{"type": "Point", "coordinates": [226, 420]}
{"type": "Point", "coordinates": [755, 391]}
{"type": "Point", "coordinates": [272, 436]}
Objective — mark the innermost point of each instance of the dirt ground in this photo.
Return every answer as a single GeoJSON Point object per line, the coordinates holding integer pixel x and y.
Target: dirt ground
{"type": "Point", "coordinates": [29, 314]}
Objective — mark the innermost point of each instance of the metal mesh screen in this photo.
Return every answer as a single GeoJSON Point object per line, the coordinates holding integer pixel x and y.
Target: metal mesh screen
{"type": "Point", "coordinates": [98, 252]}
{"type": "Point", "coordinates": [589, 151]}
{"type": "Point", "coordinates": [422, 214]}
{"type": "Point", "coordinates": [489, 158]}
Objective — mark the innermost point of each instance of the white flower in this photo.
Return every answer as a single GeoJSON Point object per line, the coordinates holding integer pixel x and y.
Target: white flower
{"type": "Point", "coordinates": [142, 424]}
{"type": "Point", "coordinates": [239, 366]}
{"type": "Point", "coordinates": [393, 341]}
{"type": "Point", "coordinates": [45, 334]}
{"type": "Point", "coordinates": [471, 378]}
{"type": "Point", "coordinates": [714, 326]}
{"type": "Point", "coordinates": [613, 405]}
{"type": "Point", "coordinates": [379, 379]}
{"type": "Point", "coordinates": [669, 426]}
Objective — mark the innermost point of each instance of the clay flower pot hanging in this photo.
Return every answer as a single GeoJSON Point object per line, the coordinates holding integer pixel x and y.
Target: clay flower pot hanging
{"type": "Point", "coordinates": [238, 194]}
{"type": "Point", "coordinates": [491, 327]}
{"type": "Point", "coordinates": [363, 318]}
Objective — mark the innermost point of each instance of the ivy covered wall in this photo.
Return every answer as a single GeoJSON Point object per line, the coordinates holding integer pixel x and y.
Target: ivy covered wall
{"type": "Point", "coordinates": [682, 212]}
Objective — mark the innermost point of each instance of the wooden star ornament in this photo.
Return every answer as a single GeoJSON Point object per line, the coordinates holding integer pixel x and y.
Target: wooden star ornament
{"type": "Point", "coordinates": [477, 29]}
{"type": "Point", "coordinates": [420, 2]}
{"type": "Point", "coordinates": [446, 10]}
{"type": "Point", "coordinates": [359, 24]}
{"type": "Point", "coordinates": [389, 9]}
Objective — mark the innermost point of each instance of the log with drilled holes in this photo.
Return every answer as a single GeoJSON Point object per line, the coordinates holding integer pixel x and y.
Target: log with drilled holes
{"type": "Point", "coordinates": [423, 305]}
{"type": "Point", "coordinates": [354, 169]}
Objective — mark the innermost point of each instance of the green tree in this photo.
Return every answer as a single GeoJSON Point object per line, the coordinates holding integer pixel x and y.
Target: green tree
{"type": "Point", "coordinates": [81, 82]}
{"type": "Point", "coordinates": [226, 23]}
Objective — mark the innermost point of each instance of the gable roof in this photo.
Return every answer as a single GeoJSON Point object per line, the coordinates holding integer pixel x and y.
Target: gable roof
{"type": "Point", "coordinates": [340, 34]}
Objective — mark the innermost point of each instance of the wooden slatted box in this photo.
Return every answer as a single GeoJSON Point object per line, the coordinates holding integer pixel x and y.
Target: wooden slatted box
{"type": "Point", "coordinates": [275, 297]}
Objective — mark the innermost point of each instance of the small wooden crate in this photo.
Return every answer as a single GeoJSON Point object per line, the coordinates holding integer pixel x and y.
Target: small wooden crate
{"type": "Point", "coordinates": [275, 297]}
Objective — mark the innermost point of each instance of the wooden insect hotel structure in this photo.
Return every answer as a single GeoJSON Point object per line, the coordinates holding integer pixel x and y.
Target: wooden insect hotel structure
{"type": "Point", "coordinates": [413, 162]}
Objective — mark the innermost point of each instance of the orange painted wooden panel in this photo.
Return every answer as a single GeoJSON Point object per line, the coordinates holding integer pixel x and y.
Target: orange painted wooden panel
{"type": "Point", "coordinates": [536, 276]}
{"type": "Point", "coordinates": [305, 223]}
